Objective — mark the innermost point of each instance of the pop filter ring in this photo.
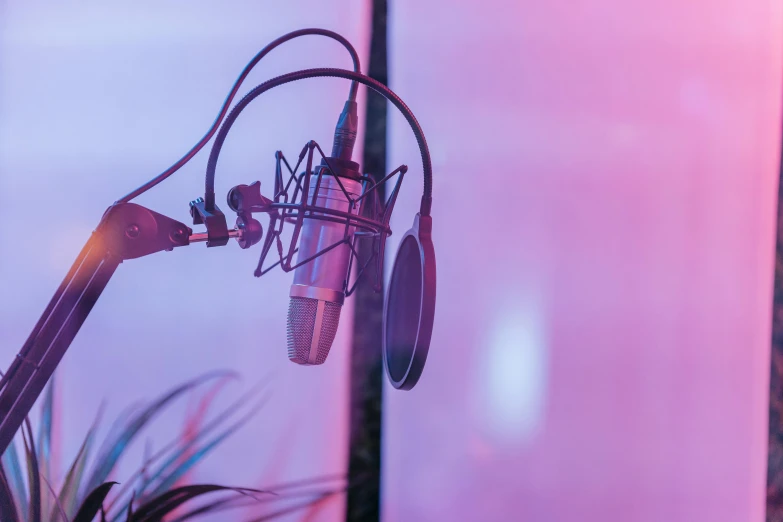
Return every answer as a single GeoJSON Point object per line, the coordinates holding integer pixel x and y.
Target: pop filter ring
{"type": "Point", "coordinates": [420, 232]}
{"type": "Point", "coordinates": [409, 309]}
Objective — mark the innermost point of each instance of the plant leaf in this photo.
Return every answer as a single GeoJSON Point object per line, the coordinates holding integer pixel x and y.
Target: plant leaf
{"type": "Point", "coordinates": [8, 510]}
{"type": "Point", "coordinates": [194, 422]}
{"type": "Point", "coordinates": [235, 502]}
{"type": "Point", "coordinates": [44, 441]}
{"type": "Point", "coordinates": [243, 501]}
{"type": "Point", "coordinates": [155, 509]}
{"type": "Point", "coordinates": [108, 458]}
{"type": "Point", "coordinates": [70, 487]}
{"type": "Point", "coordinates": [224, 504]}
{"type": "Point", "coordinates": [58, 506]}
{"type": "Point", "coordinates": [33, 473]}
{"type": "Point", "coordinates": [169, 480]}
{"type": "Point", "coordinates": [120, 421]}
{"type": "Point", "coordinates": [296, 507]}
{"type": "Point", "coordinates": [16, 480]}
{"type": "Point", "coordinates": [143, 474]}
{"type": "Point", "coordinates": [93, 503]}
{"type": "Point", "coordinates": [129, 514]}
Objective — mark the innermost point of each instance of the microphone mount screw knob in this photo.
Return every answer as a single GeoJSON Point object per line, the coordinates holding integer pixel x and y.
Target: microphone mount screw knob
{"type": "Point", "coordinates": [132, 231]}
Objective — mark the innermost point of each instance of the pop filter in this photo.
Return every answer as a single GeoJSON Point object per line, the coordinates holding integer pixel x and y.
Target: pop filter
{"type": "Point", "coordinates": [409, 310]}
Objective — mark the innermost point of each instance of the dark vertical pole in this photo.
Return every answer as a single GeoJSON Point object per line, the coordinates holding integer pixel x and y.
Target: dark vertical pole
{"type": "Point", "coordinates": [775, 455]}
{"type": "Point", "coordinates": [366, 363]}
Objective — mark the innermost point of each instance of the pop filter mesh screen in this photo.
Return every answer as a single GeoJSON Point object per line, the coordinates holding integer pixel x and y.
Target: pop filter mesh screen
{"type": "Point", "coordinates": [404, 308]}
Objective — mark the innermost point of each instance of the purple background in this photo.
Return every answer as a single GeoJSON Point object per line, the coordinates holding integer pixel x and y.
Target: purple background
{"type": "Point", "coordinates": [97, 97]}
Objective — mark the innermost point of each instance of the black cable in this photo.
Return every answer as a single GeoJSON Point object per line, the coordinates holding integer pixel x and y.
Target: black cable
{"type": "Point", "coordinates": [426, 200]}
{"type": "Point", "coordinates": [226, 104]}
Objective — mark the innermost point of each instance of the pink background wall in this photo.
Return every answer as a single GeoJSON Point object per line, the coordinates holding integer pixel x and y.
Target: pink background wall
{"type": "Point", "coordinates": [605, 186]}
{"type": "Point", "coordinates": [97, 97]}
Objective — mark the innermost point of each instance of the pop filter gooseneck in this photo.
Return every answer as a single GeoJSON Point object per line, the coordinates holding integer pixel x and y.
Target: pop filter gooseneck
{"type": "Point", "coordinates": [234, 89]}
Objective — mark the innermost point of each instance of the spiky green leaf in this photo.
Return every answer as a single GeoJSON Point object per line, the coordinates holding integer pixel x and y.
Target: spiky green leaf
{"type": "Point", "coordinates": [33, 473]}
{"type": "Point", "coordinates": [70, 488]}
{"type": "Point", "coordinates": [8, 509]}
{"type": "Point", "coordinates": [93, 503]}
{"type": "Point", "coordinates": [143, 477]}
{"type": "Point", "coordinates": [15, 478]}
{"type": "Point", "coordinates": [112, 451]}
{"type": "Point", "coordinates": [162, 505]}
{"type": "Point", "coordinates": [171, 473]}
{"type": "Point", "coordinates": [44, 441]}
{"type": "Point", "coordinates": [57, 505]}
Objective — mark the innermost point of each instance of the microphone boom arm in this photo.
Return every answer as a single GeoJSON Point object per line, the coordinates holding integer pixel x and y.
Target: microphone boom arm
{"type": "Point", "coordinates": [126, 231]}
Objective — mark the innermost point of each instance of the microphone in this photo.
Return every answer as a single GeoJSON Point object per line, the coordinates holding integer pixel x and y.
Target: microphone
{"type": "Point", "coordinates": [327, 227]}
{"type": "Point", "coordinates": [318, 292]}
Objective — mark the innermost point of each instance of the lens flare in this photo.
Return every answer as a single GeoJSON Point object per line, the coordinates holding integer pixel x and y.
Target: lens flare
{"type": "Point", "coordinates": [513, 376]}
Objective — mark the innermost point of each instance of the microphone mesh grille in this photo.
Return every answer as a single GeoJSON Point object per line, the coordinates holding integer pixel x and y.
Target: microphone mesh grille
{"type": "Point", "coordinates": [302, 318]}
{"type": "Point", "coordinates": [301, 324]}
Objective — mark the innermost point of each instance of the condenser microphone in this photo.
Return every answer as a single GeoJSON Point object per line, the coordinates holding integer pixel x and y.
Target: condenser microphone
{"type": "Point", "coordinates": [317, 293]}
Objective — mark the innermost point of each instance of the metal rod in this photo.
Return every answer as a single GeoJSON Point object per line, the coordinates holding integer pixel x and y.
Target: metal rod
{"type": "Point", "coordinates": [52, 336]}
{"type": "Point", "coordinates": [203, 236]}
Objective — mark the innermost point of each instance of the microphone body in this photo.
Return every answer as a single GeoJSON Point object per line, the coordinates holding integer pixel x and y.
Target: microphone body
{"type": "Point", "coordinates": [317, 293]}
